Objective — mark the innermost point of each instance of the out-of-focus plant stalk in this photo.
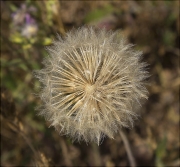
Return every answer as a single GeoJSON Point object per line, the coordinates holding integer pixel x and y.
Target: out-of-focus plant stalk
{"type": "Point", "coordinates": [128, 149]}
{"type": "Point", "coordinates": [58, 18]}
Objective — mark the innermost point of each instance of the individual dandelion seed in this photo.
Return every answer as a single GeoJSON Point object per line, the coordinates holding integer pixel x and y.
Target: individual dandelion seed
{"type": "Point", "coordinates": [92, 84]}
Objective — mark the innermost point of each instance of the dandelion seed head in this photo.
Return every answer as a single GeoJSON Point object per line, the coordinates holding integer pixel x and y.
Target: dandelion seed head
{"type": "Point", "coordinates": [92, 83]}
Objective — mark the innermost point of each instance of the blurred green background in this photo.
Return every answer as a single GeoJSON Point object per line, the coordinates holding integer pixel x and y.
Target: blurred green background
{"type": "Point", "coordinates": [28, 26]}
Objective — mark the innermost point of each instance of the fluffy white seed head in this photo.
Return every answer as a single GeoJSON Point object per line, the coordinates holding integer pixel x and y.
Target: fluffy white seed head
{"type": "Point", "coordinates": [92, 83]}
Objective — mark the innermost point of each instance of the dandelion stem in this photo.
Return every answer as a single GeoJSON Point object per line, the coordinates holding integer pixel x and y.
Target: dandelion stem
{"type": "Point", "coordinates": [128, 149]}
{"type": "Point", "coordinates": [65, 152]}
{"type": "Point", "coordinates": [96, 155]}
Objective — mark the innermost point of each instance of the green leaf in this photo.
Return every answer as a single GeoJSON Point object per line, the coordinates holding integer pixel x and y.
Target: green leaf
{"type": "Point", "coordinates": [35, 65]}
{"type": "Point", "coordinates": [16, 38]}
{"type": "Point", "coordinates": [8, 81]}
{"type": "Point", "coordinates": [13, 7]}
{"type": "Point", "coordinates": [23, 66]}
{"type": "Point", "coordinates": [7, 63]}
{"type": "Point", "coordinates": [169, 38]}
{"type": "Point", "coordinates": [98, 13]}
{"type": "Point", "coordinates": [160, 152]}
{"type": "Point", "coordinates": [15, 62]}
{"type": "Point", "coordinates": [47, 41]}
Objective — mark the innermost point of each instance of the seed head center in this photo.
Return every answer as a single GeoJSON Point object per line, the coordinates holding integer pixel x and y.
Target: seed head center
{"type": "Point", "coordinates": [89, 89]}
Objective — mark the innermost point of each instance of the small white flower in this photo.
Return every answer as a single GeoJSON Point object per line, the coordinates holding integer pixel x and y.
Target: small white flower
{"type": "Point", "coordinates": [29, 30]}
{"type": "Point", "coordinates": [92, 81]}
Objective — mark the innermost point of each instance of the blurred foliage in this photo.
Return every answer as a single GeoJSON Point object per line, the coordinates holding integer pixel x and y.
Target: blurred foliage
{"type": "Point", "coordinates": [98, 13]}
{"type": "Point", "coordinates": [160, 152]}
{"type": "Point", "coordinates": [29, 26]}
